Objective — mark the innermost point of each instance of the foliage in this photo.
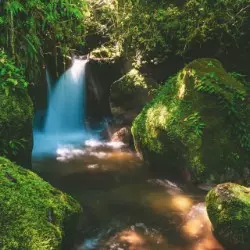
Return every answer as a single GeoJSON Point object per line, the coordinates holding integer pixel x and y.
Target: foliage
{"type": "Point", "coordinates": [33, 213]}
{"type": "Point", "coordinates": [197, 121]}
{"type": "Point", "coordinates": [231, 102]}
{"type": "Point", "coordinates": [129, 94]}
{"type": "Point", "coordinates": [129, 82]}
{"type": "Point", "coordinates": [32, 29]}
{"type": "Point", "coordinates": [155, 30]}
{"type": "Point", "coordinates": [228, 207]}
{"type": "Point", "coordinates": [14, 146]}
{"type": "Point", "coordinates": [241, 78]}
{"type": "Point", "coordinates": [11, 77]}
{"type": "Point", "coordinates": [16, 111]}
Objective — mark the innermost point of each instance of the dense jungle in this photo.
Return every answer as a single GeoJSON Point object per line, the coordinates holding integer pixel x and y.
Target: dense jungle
{"type": "Point", "coordinates": [125, 125]}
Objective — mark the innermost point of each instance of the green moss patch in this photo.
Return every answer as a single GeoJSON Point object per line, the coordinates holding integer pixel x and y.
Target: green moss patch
{"type": "Point", "coordinates": [199, 123]}
{"type": "Point", "coordinates": [16, 113]}
{"type": "Point", "coordinates": [33, 214]}
{"type": "Point", "coordinates": [228, 207]}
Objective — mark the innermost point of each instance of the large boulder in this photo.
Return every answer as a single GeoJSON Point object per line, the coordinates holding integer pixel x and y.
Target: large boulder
{"type": "Point", "coordinates": [128, 96]}
{"type": "Point", "coordinates": [33, 214]}
{"type": "Point", "coordinates": [16, 114]}
{"type": "Point", "coordinates": [198, 125]}
{"type": "Point", "coordinates": [228, 207]}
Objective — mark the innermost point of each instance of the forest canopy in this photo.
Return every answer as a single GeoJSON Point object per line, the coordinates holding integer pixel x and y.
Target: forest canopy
{"type": "Point", "coordinates": [159, 30]}
{"type": "Point", "coordinates": [147, 31]}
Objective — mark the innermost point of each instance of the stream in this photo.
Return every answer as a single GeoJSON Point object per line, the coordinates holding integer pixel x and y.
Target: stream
{"type": "Point", "coordinates": [125, 207]}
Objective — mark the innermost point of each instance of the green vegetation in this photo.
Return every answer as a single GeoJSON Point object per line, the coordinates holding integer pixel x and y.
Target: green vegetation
{"type": "Point", "coordinates": [16, 113]}
{"type": "Point", "coordinates": [128, 86]}
{"type": "Point", "coordinates": [11, 77]}
{"type": "Point", "coordinates": [129, 94]}
{"type": "Point", "coordinates": [31, 30]}
{"type": "Point", "coordinates": [198, 121]}
{"type": "Point", "coordinates": [156, 31]}
{"type": "Point", "coordinates": [228, 207]}
{"type": "Point", "coordinates": [34, 215]}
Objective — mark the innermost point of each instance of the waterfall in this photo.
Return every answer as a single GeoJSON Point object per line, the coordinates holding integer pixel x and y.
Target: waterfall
{"type": "Point", "coordinates": [66, 103]}
{"type": "Point", "coordinates": [65, 115]}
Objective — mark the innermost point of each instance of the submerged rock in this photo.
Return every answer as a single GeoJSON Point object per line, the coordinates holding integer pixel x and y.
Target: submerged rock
{"type": "Point", "coordinates": [122, 135]}
{"type": "Point", "coordinates": [228, 207]}
{"type": "Point", "coordinates": [198, 124]}
{"type": "Point", "coordinates": [33, 214]}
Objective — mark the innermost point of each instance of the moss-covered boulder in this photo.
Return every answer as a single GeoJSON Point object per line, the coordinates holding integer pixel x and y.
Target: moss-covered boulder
{"type": "Point", "coordinates": [33, 214]}
{"type": "Point", "coordinates": [16, 114]}
{"type": "Point", "coordinates": [128, 95]}
{"type": "Point", "coordinates": [228, 207]}
{"type": "Point", "coordinates": [198, 124]}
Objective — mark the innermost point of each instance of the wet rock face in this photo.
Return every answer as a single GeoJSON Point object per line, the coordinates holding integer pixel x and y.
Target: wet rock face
{"type": "Point", "coordinates": [228, 207]}
{"type": "Point", "coordinates": [100, 74]}
{"type": "Point", "coordinates": [34, 215]}
{"type": "Point", "coordinates": [192, 126]}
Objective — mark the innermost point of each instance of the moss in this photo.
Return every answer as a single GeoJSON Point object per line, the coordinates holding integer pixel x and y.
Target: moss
{"type": "Point", "coordinates": [111, 52]}
{"type": "Point", "coordinates": [228, 207]}
{"type": "Point", "coordinates": [129, 83]}
{"type": "Point", "coordinates": [129, 94]}
{"type": "Point", "coordinates": [130, 88]}
{"type": "Point", "coordinates": [16, 126]}
{"type": "Point", "coordinates": [16, 113]}
{"type": "Point", "coordinates": [194, 122]}
{"type": "Point", "coordinates": [33, 213]}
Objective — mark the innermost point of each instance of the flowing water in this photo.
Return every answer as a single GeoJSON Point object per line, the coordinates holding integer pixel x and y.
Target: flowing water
{"type": "Point", "coordinates": [65, 120]}
{"type": "Point", "coordinates": [124, 206]}
{"type": "Point", "coordinates": [66, 104]}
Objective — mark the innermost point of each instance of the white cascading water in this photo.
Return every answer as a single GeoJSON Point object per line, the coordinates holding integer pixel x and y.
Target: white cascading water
{"type": "Point", "coordinates": [66, 104]}
{"type": "Point", "coordinates": [65, 117]}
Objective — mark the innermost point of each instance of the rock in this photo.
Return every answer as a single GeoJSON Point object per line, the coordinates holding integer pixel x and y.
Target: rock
{"type": "Point", "coordinates": [100, 74]}
{"type": "Point", "coordinates": [16, 127]}
{"type": "Point", "coordinates": [206, 187]}
{"type": "Point", "coordinates": [16, 115]}
{"type": "Point", "coordinates": [33, 214]}
{"type": "Point", "coordinates": [123, 135]}
{"type": "Point", "coordinates": [128, 95]}
{"type": "Point", "coordinates": [228, 207]}
{"type": "Point", "coordinates": [199, 122]}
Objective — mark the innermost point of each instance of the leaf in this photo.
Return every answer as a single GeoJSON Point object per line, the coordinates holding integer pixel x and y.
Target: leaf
{"type": "Point", "coordinates": [7, 91]}
{"type": "Point", "coordinates": [14, 7]}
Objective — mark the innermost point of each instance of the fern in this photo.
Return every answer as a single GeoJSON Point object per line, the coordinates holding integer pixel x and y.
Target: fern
{"type": "Point", "coordinates": [11, 77]}
{"type": "Point", "coordinates": [14, 7]}
{"type": "Point", "coordinates": [210, 84]}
